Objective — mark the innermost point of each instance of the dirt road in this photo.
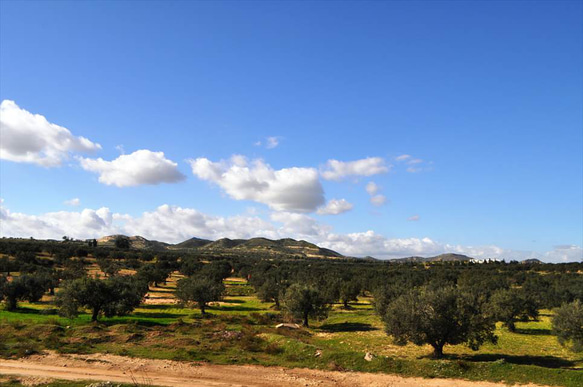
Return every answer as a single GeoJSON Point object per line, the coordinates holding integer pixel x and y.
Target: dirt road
{"type": "Point", "coordinates": [121, 369]}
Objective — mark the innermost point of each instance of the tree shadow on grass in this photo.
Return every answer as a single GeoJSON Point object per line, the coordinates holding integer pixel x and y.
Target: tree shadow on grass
{"type": "Point", "coordinates": [533, 331]}
{"type": "Point", "coordinates": [233, 301]}
{"type": "Point", "coordinates": [159, 315]}
{"type": "Point", "coordinates": [235, 308]}
{"type": "Point", "coordinates": [348, 327]}
{"type": "Point", "coordinates": [160, 306]}
{"type": "Point", "coordinates": [541, 361]}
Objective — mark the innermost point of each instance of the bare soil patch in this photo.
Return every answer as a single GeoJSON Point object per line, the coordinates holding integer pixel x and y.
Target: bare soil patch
{"type": "Point", "coordinates": [120, 369]}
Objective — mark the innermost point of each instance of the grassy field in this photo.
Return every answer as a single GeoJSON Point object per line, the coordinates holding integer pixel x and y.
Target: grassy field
{"type": "Point", "coordinates": [241, 330]}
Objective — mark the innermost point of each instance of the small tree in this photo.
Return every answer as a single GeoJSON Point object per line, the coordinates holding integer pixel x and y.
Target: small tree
{"type": "Point", "coordinates": [108, 266]}
{"type": "Point", "coordinates": [303, 302]}
{"type": "Point", "coordinates": [201, 290]}
{"type": "Point", "coordinates": [438, 317]}
{"type": "Point", "coordinates": [122, 242]}
{"type": "Point", "coordinates": [568, 325]}
{"type": "Point", "coordinates": [115, 296]}
{"type": "Point", "coordinates": [26, 287]}
{"type": "Point", "coordinates": [154, 273]}
{"type": "Point", "coordinates": [511, 305]}
{"type": "Point", "coordinates": [349, 291]}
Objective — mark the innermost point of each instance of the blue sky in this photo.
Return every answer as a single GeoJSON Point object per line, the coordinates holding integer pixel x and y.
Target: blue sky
{"type": "Point", "coordinates": [487, 95]}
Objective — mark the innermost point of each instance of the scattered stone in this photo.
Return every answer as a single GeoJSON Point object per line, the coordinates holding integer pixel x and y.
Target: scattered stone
{"type": "Point", "coordinates": [368, 356]}
{"type": "Point", "coordinates": [318, 353]}
{"type": "Point", "coordinates": [287, 326]}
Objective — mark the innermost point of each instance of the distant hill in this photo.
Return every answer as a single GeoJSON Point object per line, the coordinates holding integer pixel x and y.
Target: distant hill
{"type": "Point", "coordinates": [191, 243]}
{"type": "Point", "coordinates": [281, 247]}
{"type": "Point", "coordinates": [531, 261]}
{"type": "Point", "coordinates": [136, 242]}
{"type": "Point", "coordinates": [450, 257]}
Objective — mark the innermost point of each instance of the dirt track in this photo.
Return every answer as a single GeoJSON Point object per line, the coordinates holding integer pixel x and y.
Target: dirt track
{"type": "Point", "coordinates": [180, 374]}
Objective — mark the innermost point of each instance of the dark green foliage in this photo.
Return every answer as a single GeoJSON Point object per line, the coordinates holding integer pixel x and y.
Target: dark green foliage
{"type": "Point", "coordinates": [201, 290]}
{"type": "Point", "coordinates": [108, 266]}
{"type": "Point", "coordinates": [217, 270]}
{"type": "Point", "coordinates": [122, 242]}
{"type": "Point", "coordinates": [190, 266]}
{"type": "Point", "coordinates": [438, 317]}
{"type": "Point", "coordinates": [568, 325]}
{"type": "Point", "coordinates": [304, 302]}
{"type": "Point", "coordinates": [115, 296]}
{"type": "Point", "coordinates": [73, 269]}
{"type": "Point", "coordinates": [349, 291]}
{"type": "Point", "coordinates": [28, 287]}
{"type": "Point", "coordinates": [154, 273]}
{"type": "Point", "coordinates": [511, 305]}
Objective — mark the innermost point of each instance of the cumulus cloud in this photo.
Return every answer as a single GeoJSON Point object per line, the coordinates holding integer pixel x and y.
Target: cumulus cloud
{"type": "Point", "coordinates": [138, 168]}
{"type": "Point", "coordinates": [376, 199]}
{"type": "Point", "coordinates": [73, 202]}
{"type": "Point", "coordinates": [174, 224]}
{"type": "Point", "coordinates": [413, 218]}
{"type": "Point", "coordinates": [30, 138]}
{"type": "Point", "coordinates": [288, 189]}
{"type": "Point", "coordinates": [335, 207]}
{"type": "Point", "coordinates": [272, 142]}
{"type": "Point", "coordinates": [372, 188]}
{"type": "Point", "coordinates": [338, 170]}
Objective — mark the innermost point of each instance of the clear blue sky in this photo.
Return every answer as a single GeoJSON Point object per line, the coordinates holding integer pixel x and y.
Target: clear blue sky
{"type": "Point", "coordinates": [488, 94]}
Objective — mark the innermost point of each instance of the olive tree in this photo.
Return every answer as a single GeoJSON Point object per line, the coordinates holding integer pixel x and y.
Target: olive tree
{"type": "Point", "coordinates": [304, 301]}
{"type": "Point", "coordinates": [512, 305]}
{"type": "Point", "coordinates": [568, 325]}
{"type": "Point", "coordinates": [201, 290]}
{"type": "Point", "coordinates": [115, 296]}
{"type": "Point", "coordinates": [438, 317]}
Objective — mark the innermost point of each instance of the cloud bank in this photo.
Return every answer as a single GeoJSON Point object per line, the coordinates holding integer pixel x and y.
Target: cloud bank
{"type": "Point", "coordinates": [174, 224]}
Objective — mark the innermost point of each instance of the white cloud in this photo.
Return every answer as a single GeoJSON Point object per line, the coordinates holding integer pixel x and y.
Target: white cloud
{"type": "Point", "coordinates": [402, 157]}
{"type": "Point", "coordinates": [174, 224]}
{"type": "Point", "coordinates": [372, 188]}
{"type": "Point", "coordinates": [378, 200]}
{"type": "Point", "coordinates": [272, 142]}
{"type": "Point", "coordinates": [414, 165]}
{"type": "Point", "coordinates": [338, 170]}
{"type": "Point", "coordinates": [288, 189]}
{"type": "Point", "coordinates": [335, 207]}
{"type": "Point", "coordinates": [31, 138]}
{"type": "Point", "coordinates": [414, 218]}
{"type": "Point", "coordinates": [138, 168]}
{"type": "Point", "coordinates": [73, 202]}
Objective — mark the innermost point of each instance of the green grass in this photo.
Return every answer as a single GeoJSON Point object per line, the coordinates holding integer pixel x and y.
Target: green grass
{"type": "Point", "coordinates": [240, 330]}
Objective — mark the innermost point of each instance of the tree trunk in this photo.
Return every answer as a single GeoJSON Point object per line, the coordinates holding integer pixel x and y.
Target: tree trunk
{"type": "Point", "coordinates": [95, 314]}
{"type": "Point", "coordinates": [437, 350]}
{"type": "Point", "coordinates": [306, 323]}
{"type": "Point", "coordinates": [202, 307]}
{"type": "Point", "coordinates": [11, 303]}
